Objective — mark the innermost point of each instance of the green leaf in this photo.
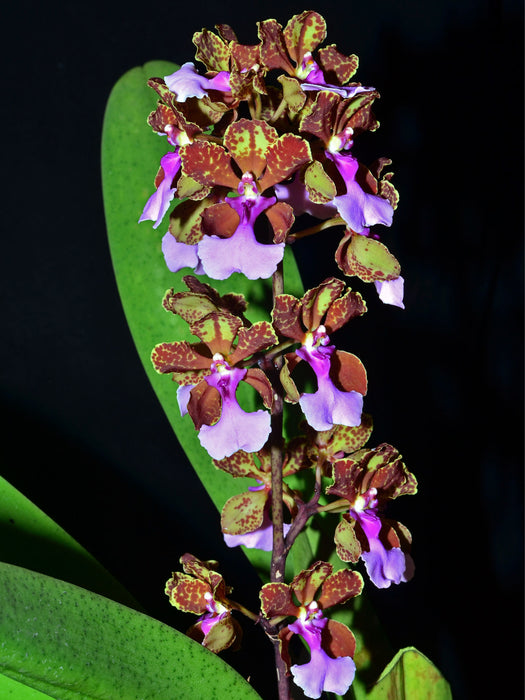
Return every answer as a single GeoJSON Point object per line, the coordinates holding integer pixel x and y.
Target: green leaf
{"type": "Point", "coordinates": [130, 158]}
{"type": "Point", "coordinates": [29, 538]}
{"type": "Point", "coordinates": [13, 690]}
{"type": "Point", "coordinates": [71, 644]}
{"type": "Point", "coordinates": [410, 675]}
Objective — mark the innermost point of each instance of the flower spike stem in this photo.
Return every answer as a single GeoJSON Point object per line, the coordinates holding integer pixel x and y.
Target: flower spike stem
{"type": "Point", "coordinates": [276, 440]}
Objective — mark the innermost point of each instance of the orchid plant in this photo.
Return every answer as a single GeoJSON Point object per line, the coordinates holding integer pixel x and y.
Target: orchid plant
{"type": "Point", "coordinates": [256, 152]}
{"type": "Point", "coordinates": [257, 141]}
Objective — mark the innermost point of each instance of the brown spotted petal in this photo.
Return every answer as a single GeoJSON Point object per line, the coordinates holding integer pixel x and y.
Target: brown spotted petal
{"type": "Point", "coordinates": [273, 50]}
{"type": "Point", "coordinates": [190, 307]}
{"type": "Point", "coordinates": [297, 456]}
{"type": "Point", "coordinates": [205, 570]}
{"type": "Point", "coordinates": [366, 258]}
{"type": "Point", "coordinates": [347, 545]}
{"type": "Point", "coordinates": [303, 34]}
{"type": "Point", "coordinates": [283, 158]}
{"type": "Point", "coordinates": [386, 472]}
{"type": "Point", "coordinates": [209, 164]}
{"type": "Point", "coordinates": [341, 439]}
{"type": "Point", "coordinates": [248, 141]}
{"type": "Point", "coordinates": [358, 113]}
{"type": "Point", "coordinates": [285, 317]}
{"type": "Point", "coordinates": [178, 357]}
{"type": "Point", "coordinates": [187, 593]}
{"type": "Point", "coordinates": [247, 74]}
{"type": "Point", "coordinates": [337, 68]}
{"type": "Point", "coordinates": [212, 50]}
{"type": "Point", "coordinates": [319, 116]}
{"type": "Point", "coordinates": [317, 301]}
{"type": "Point", "coordinates": [343, 310]}
{"type": "Point", "coordinates": [218, 330]}
{"type": "Point", "coordinates": [306, 583]}
{"type": "Point", "coordinates": [277, 600]}
{"type": "Point", "coordinates": [235, 304]}
{"type": "Point", "coordinates": [240, 464]}
{"type": "Point", "coordinates": [347, 475]}
{"type": "Point", "coordinates": [340, 587]}
{"type": "Point", "coordinates": [244, 512]}
{"type": "Point", "coordinates": [251, 340]}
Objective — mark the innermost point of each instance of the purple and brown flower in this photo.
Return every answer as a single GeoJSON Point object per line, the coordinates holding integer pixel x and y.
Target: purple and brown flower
{"type": "Point", "coordinates": [201, 590]}
{"type": "Point", "coordinates": [341, 377]}
{"type": "Point", "coordinates": [367, 480]}
{"type": "Point", "coordinates": [210, 371]}
{"type": "Point", "coordinates": [332, 645]}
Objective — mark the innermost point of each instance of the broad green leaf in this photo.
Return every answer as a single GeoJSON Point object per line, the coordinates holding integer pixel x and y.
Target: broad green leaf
{"type": "Point", "coordinates": [70, 644]}
{"type": "Point", "coordinates": [410, 675]}
{"type": "Point", "coordinates": [13, 690]}
{"type": "Point", "coordinates": [130, 158]}
{"type": "Point", "coordinates": [29, 538]}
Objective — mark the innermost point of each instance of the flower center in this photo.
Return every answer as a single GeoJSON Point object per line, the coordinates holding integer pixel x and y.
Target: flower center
{"type": "Point", "coordinates": [341, 141]}
{"type": "Point", "coordinates": [365, 500]}
{"type": "Point", "coordinates": [219, 364]}
{"type": "Point", "coordinates": [247, 187]}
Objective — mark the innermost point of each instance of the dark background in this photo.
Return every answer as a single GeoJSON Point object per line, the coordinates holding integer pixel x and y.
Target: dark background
{"type": "Point", "coordinates": [83, 434]}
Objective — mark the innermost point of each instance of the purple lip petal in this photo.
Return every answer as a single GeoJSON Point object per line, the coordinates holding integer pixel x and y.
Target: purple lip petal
{"type": "Point", "coordinates": [241, 252]}
{"type": "Point", "coordinates": [186, 82]}
{"type": "Point", "coordinates": [235, 430]}
{"type": "Point", "coordinates": [323, 673]}
{"type": "Point", "coordinates": [183, 396]}
{"type": "Point", "coordinates": [159, 202]}
{"type": "Point", "coordinates": [391, 291]}
{"type": "Point", "coordinates": [179, 255]}
{"type": "Point", "coordinates": [359, 209]}
{"type": "Point", "coordinates": [328, 406]}
{"type": "Point", "coordinates": [384, 566]}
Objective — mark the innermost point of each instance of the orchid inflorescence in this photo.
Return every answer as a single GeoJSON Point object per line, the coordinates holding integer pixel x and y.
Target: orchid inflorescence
{"type": "Point", "coordinates": [247, 158]}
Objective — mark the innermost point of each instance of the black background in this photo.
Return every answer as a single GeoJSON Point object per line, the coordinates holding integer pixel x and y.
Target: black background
{"type": "Point", "coordinates": [84, 436]}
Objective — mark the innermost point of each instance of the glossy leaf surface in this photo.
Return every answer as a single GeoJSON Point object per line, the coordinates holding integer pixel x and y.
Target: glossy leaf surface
{"type": "Point", "coordinates": [69, 643]}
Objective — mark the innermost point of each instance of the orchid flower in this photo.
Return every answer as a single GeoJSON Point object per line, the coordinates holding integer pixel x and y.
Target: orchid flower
{"type": "Point", "coordinates": [208, 373]}
{"type": "Point", "coordinates": [228, 241]}
{"type": "Point", "coordinates": [202, 591]}
{"type": "Point", "coordinates": [367, 479]}
{"type": "Point", "coordinates": [245, 517]}
{"type": "Point", "coordinates": [332, 645]}
{"type": "Point", "coordinates": [341, 378]}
